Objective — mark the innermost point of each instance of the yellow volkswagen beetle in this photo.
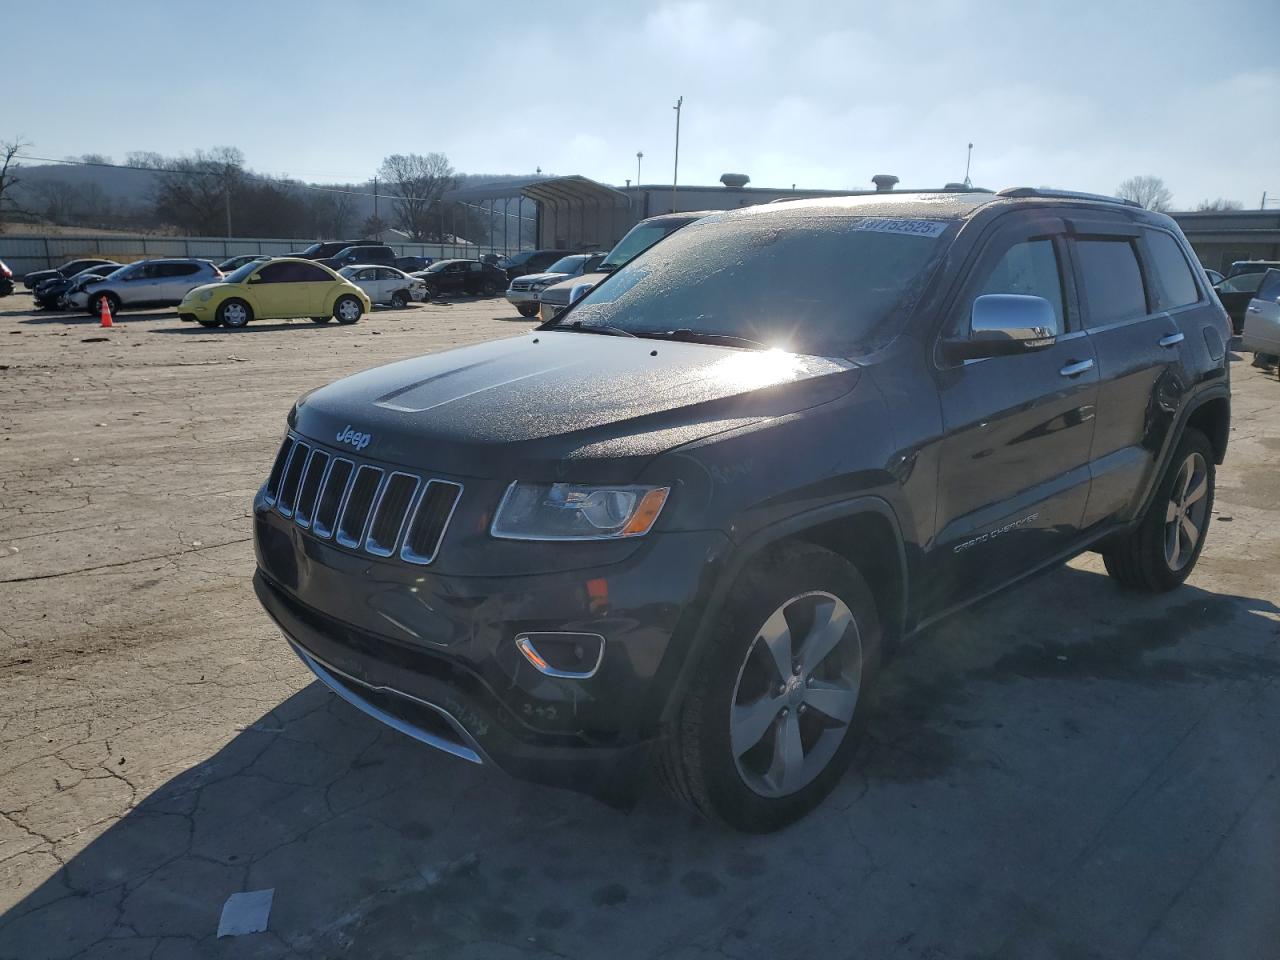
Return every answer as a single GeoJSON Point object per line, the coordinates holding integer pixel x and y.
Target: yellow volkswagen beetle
{"type": "Point", "coordinates": [273, 290]}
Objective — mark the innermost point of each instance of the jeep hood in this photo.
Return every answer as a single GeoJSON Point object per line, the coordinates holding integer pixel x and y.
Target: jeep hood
{"type": "Point", "coordinates": [563, 405]}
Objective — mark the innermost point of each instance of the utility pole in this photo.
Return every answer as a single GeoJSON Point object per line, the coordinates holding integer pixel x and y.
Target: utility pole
{"type": "Point", "coordinates": [675, 173]}
{"type": "Point", "coordinates": [967, 160]}
{"type": "Point", "coordinates": [226, 194]}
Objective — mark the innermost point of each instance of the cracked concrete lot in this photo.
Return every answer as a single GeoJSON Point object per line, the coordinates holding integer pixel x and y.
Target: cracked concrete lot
{"type": "Point", "coordinates": [1069, 771]}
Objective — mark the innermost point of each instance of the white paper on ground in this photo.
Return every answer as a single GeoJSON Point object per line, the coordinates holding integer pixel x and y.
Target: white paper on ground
{"type": "Point", "coordinates": [246, 913]}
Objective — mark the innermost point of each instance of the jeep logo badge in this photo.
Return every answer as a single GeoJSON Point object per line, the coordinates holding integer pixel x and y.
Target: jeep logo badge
{"type": "Point", "coordinates": [357, 440]}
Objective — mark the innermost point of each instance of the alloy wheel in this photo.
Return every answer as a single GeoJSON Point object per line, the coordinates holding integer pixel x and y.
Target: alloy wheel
{"type": "Point", "coordinates": [796, 694]}
{"type": "Point", "coordinates": [1187, 512]}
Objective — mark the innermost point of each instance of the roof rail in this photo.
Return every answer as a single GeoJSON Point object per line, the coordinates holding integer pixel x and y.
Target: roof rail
{"type": "Point", "coordinates": [950, 188]}
{"type": "Point", "coordinates": [1063, 195]}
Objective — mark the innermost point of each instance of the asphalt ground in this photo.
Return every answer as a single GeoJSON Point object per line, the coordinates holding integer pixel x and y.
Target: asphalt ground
{"type": "Point", "coordinates": [1068, 771]}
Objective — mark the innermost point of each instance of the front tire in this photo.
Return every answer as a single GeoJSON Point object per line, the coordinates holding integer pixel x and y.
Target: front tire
{"type": "Point", "coordinates": [95, 304]}
{"type": "Point", "coordinates": [527, 309]}
{"type": "Point", "coordinates": [399, 300]}
{"type": "Point", "coordinates": [347, 310]}
{"type": "Point", "coordinates": [234, 313]}
{"type": "Point", "coordinates": [488, 288]}
{"type": "Point", "coordinates": [769, 722]}
{"type": "Point", "coordinates": [215, 322]}
{"type": "Point", "coordinates": [321, 319]}
{"type": "Point", "coordinates": [1162, 551]}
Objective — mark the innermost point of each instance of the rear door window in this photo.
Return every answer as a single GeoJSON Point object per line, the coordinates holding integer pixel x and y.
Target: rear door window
{"type": "Point", "coordinates": [1112, 280]}
{"type": "Point", "coordinates": [1174, 284]}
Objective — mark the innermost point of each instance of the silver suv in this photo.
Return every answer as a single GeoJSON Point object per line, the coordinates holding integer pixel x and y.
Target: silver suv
{"type": "Point", "coordinates": [147, 283]}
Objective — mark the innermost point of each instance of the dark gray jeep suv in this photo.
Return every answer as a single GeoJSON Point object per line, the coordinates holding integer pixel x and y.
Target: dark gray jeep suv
{"type": "Point", "coordinates": [682, 522]}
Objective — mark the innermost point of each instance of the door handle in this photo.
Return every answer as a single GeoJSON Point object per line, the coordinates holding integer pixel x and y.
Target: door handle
{"type": "Point", "coordinates": [1076, 367]}
{"type": "Point", "coordinates": [1171, 339]}
{"type": "Point", "coordinates": [1252, 309]}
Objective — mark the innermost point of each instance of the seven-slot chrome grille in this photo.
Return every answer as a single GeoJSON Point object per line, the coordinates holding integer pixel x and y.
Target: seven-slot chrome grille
{"type": "Point", "coordinates": [361, 506]}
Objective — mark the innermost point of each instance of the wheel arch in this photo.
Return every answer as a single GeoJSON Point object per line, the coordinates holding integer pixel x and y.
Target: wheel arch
{"type": "Point", "coordinates": [1212, 417]}
{"type": "Point", "coordinates": [864, 531]}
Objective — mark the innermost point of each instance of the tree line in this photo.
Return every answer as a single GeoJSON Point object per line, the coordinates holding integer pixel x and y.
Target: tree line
{"type": "Point", "coordinates": [213, 193]}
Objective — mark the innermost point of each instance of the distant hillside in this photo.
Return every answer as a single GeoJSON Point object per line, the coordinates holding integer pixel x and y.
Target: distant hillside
{"type": "Point", "coordinates": [98, 198]}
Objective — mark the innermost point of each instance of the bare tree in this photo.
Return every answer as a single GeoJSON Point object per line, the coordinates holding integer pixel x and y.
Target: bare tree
{"type": "Point", "coordinates": [373, 227]}
{"type": "Point", "coordinates": [9, 150]}
{"type": "Point", "coordinates": [1147, 191]}
{"type": "Point", "coordinates": [1219, 204]}
{"type": "Point", "coordinates": [418, 182]}
{"type": "Point", "coordinates": [196, 192]}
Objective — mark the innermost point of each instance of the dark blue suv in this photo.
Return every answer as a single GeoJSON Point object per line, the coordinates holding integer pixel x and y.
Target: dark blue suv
{"type": "Point", "coordinates": [678, 526]}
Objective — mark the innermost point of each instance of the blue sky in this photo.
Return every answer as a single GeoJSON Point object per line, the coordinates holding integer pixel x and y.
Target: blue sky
{"type": "Point", "coordinates": [1079, 94]}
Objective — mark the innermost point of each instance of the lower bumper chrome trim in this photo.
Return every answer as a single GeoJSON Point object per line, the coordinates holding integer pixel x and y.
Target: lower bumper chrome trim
{"type": "Point", "coordinates": [466, 748]}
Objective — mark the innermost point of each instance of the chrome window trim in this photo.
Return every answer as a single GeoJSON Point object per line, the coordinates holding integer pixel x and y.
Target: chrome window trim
{"type": "Point", "coordinates": [408, 555]}
{"type": "Point", "coordinates": [381, 550]}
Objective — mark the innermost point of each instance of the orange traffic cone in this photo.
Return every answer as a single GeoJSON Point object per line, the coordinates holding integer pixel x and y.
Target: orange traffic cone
{"type": "Point", "coordinates": [105, 311]}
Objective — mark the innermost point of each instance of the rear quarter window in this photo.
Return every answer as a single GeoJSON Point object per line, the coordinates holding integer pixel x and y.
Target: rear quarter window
{"type": "Point", "coordinates": [1175, 286]}
{"type": "Point", "coordinates": [1112, 280]}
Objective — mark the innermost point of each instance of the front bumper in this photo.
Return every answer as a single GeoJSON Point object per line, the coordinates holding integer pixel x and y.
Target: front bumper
{"type": "Point", "coordinates": [193, 310]}
{"type": "Point", "coordinates": [517, 297]}
{"type": "Point", "coordinates": [435, 656]}
{"type": "Point", "coordinates": [440, 705]}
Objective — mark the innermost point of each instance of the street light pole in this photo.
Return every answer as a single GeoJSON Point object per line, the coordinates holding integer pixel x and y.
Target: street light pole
{"type": "Point", "coordinates": [639, 157]}
{"type": "Point", "coordinates": [675, 173]}
{"type": "Point", "coordinates": [967, 159]}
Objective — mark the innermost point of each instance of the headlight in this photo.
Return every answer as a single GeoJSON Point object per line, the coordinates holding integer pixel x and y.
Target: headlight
{"type": "Point", "coordinates": [568, 511]}
{"type": "Point", "coordinates": [205, 295]}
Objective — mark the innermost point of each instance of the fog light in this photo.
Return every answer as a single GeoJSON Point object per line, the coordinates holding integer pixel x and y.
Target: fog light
{"type": "Point", "coordinates": [573, 656]}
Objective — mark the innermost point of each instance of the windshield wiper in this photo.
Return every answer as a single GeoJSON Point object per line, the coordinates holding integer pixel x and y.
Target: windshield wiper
{"type": "Point", "coordinates": [685, 335]}
{"type": "Point", "coordinates": [575, 326]}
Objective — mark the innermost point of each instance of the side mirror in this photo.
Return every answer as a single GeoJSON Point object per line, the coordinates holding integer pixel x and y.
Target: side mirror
{"type": "Point", "coordinates": [1003, 324]}
{"type": "Point", "coordinates": [578, 291]}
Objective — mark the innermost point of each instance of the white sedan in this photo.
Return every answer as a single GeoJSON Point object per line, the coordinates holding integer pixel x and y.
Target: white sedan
{"type": "Point", "coordinates": [385, 284]}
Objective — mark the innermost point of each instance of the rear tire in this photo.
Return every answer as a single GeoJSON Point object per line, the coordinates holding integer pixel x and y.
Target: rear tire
{"type": "Point", "coordinates": [1160, 553]}
{"type": "Point", "coordinates": [728, 754]}
{"type": "Point", "coordinates": [347, 310]}
{"type": "Point", "coordinates": [527, 309]}
{"type": "Point", "coordinates": [234, 313]}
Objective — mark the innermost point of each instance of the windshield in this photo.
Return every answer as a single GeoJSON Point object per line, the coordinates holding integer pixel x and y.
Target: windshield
{"type": "Point", "coordinates": [312, 250]}
{"type": "Point", "coordinates": [809, 284]}
{"type": "Point", "coordinates": [440, 265]}
{"type": "Point", "coordinates": [639, 239]}
{"type": "Point", "coordinates": [567, 264]}
{"type": "Point", "coordinates": [240, 274]}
